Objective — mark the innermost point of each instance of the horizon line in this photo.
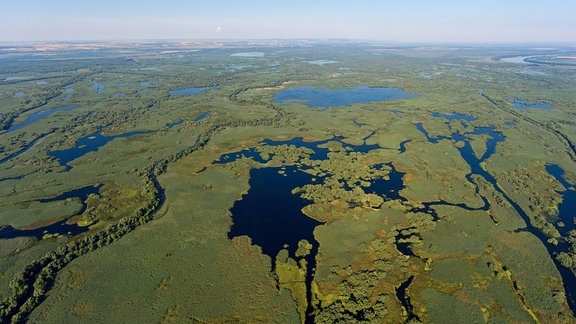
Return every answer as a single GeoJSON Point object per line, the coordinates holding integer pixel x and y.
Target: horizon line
{"type": "Point", "coordinates": [319, 39]}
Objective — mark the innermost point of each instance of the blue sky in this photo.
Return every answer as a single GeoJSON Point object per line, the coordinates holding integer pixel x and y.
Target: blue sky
{"type": "Point", "coordinates": [400, 20]}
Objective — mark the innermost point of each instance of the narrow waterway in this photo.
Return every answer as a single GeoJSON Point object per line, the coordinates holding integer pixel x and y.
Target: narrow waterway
{"type": "Point", "coordinates": [568, 277]}
{"type": "Point", "coordinates": [60, 227]}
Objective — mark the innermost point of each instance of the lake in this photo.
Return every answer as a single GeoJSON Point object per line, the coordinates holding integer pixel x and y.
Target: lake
{"type": "Point", "coordinates": [525, 104]}
{"type": "Point", "coordinates": [320, 62]}
{"type": "Point", "coordinates": [325, 98]}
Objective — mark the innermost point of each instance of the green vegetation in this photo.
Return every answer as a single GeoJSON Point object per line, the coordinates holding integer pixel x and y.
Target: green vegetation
{"type": "Point", "coordinates": [152, 245]}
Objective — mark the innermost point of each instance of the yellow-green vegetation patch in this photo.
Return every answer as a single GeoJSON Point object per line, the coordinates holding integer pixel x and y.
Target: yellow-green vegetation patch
{"type": "Point", "coordinates": [437, 172]}
{"type": "Point", "coordinates": [443, 308]}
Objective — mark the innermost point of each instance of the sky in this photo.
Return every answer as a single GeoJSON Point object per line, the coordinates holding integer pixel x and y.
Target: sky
{"type": "Point", "coordinates": [447, 21]}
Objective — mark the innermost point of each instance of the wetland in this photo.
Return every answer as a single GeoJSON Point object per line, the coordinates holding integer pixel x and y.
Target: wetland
{"type": "Point", "coordinates": [291, 190]}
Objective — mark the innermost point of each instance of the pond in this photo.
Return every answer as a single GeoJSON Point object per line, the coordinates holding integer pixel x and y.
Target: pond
{"type": "Point", "coordinates": [525, 104]}
{"type": "Point", "coordinates": [325, 98]}
{"type": "Point", "coordinates": [69, 92]}
{"type": "Point", "coordinates": [99, 87]}
{"type": "Point", "coordinates": [203, 115]}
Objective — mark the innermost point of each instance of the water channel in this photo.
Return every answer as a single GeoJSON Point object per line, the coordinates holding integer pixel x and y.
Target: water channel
{"type": "Point", "coordinates": [60, 227]}
{"type": "Point", "coordinates": [37, 116]}
{"type": "Point", "coordinates": [568, 277]}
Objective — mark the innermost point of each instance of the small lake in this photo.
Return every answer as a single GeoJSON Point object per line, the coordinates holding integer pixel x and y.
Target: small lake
{"type": "Point", "coordinates": [320, 62]}
{"type": "Point", "coordinates": [87, 144]}
{"type": "Point", "coordinates": [325, 98]}
{"type": "Point", "coordinates": [99, 87]}
{"type": "Point", "coordinates": [37, 116]}
{"type": "Point", "coordinates": [525, 104]}
{"type": "Point", "coordinates": [203, 115]}
{"type": "Point", "coordinates": [69, 92]}
{"type": "Point", "coordinates": [455, 116]}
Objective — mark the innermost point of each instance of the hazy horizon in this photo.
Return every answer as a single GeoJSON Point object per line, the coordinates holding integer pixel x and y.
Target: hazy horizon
{"type": "Point", "coordinates": [444, 21]}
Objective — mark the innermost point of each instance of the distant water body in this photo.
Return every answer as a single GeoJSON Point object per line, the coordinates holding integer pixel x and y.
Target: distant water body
{"type": "Point", "coordinates": [525, 104]}
{"type": "Point", "coordinates": [325, 98]}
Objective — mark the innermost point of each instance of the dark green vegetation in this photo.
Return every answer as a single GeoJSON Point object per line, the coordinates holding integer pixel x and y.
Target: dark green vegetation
{"type": "Point", "coordinates": [450, 206]}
